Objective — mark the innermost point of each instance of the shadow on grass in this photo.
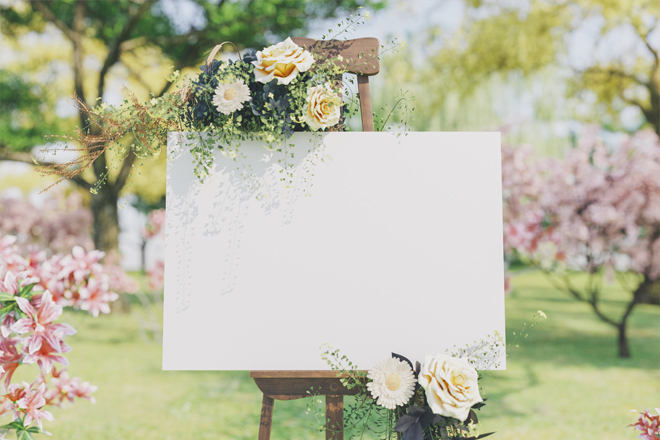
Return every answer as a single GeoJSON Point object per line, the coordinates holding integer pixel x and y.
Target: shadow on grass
{"type": "Point", "coordinates": [507, 385]}
{"type": "Point", "coordinates": [593, 350]}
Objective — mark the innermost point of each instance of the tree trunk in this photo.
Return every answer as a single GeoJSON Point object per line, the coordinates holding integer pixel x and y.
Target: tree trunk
{"type": "Point", "coordinates": [649, 292]}
{"type": "Point", "coordinates": [143, 256]}
{"type": "Point", "coordinates": [106, 220]}
{"type": "Point", "coordinates": [104, 209]}
{"type": "Point", "coordinates": [624, 350]}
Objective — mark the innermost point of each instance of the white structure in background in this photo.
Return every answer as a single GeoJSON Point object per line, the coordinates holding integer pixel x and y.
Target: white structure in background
{"type": "Point", "coordinates": [131, 225]}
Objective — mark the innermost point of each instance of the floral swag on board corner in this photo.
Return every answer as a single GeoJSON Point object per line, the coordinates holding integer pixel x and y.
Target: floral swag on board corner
{"type": "Point", "coordinates": [436, 399]}
{"type": "Point", "coordinates": [264, 96]}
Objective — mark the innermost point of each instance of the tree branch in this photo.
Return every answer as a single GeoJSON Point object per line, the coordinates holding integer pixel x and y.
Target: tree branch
{"type": "Point", "coordinates": [132, 44]}
{"type": "Point", "coordinates": [49, 16]}
{"type": "Point", "coordinates": [594, 291]}
{"type": "Point", "coordinates": [183, 62]}
{"type": "Point", "coordinates": [644, 36]}
{"type": "Point", "coordinates": [648, 114]}
{"type": "Point", "coordinates": [138, 78]}
{"type": "Point", "coordinates": [594, 305]}
{"type": "Point", "coordinates": [77, 39]}
{"type": "Point", "coordinates": [165, 88]}
{"type": "Point", "coordinates": [567, 286]}
{"type": "Point", "coordinates": [614, 72]}
{"type": "Point", "coordinates": [115, 48]}
{"type": "Point", "coordinates": [24, 157]}
{"type": "Point", "coordinates": [123, 173]}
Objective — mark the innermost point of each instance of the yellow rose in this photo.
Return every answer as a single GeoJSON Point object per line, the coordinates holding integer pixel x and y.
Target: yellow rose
{"type": "Point", "coordinates": [323, 107]}
{"type": "Point", "coordinates": [282, 61]}
{"type": "Point", "coordinates": [450, 384]}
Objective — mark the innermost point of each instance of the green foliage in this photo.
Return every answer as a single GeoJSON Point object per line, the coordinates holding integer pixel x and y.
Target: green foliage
{"type": "Point", "coordinates": [498, 39]}
{"type": "Point", "coordinates": [247, 24]}
{"type": "Point", "coordinates": [22, 432]}
{"type": "Point", "coordinates": [24, 115]}
{"type": "Point", "coordinates": [502, 43]}
{"type": "Point", "coordinates": [8, 301]}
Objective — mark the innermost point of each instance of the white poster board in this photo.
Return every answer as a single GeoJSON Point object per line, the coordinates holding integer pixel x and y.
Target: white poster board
{"type": "Point", "coordinates": [376, 243]}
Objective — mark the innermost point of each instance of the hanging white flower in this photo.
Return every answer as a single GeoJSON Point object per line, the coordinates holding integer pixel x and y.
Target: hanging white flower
{"type": "Point", "coordinates": [392, 383]}
{"type": "Point", "coordinates": [230, 97]}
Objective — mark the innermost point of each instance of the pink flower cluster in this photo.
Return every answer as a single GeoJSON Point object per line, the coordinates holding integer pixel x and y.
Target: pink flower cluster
{"type": "Point", "coordinates": [30, 335]}
{"type": "Point", "coordinates": [649, 425]}
{"type": "Point", "coordinates": [155, 224]}
{"type": "Point", "coordinates": [597, 204]}
{"type": "Point", "coordinates": [157, 275]}
{"type": "Point", "coordinates": [77, 279]}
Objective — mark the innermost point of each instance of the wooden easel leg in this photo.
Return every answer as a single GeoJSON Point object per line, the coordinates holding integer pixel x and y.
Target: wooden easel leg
{"type": "Point", "coordinates": [334, 417]}
{"type": "Point", "coordinates": [266, 417]}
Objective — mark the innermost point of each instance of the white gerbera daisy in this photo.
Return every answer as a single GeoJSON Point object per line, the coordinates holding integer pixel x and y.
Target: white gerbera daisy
{"type": "Point", "coordinates": [392, 383]}
{"type": "Point", "coordinates": [229, 97]}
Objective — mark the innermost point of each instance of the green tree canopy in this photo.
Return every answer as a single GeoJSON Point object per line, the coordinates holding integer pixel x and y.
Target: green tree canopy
{"type": "Point", "coordinates": [525, 37]}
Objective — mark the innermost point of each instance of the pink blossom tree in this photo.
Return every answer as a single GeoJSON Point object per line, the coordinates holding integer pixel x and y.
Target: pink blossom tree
{"type": "Point", "coordinates": [59, 225]}
{"type": "Point", "coordinates": [596, 210]}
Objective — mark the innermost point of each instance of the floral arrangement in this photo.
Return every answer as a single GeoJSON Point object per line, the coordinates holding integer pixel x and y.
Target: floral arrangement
{"type": "Point", "coordinates": [33, 291]}
{"type": "Point", "coordinates": [263, 96]}
{"type": "Point", "coordinates": [436, 399]}
{"type": "Point", "coordinates": [648, 424]}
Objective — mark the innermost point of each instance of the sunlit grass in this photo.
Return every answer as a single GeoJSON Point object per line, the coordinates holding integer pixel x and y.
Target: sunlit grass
{"type": "Point", "coordinates": [563, 382]}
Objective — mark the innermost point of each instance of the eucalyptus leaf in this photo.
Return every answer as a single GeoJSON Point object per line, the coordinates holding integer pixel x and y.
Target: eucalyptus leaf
{"type": "Point", "coordinates": [472, 417]}
{"type": "Point", "coordinates": [414, 433]}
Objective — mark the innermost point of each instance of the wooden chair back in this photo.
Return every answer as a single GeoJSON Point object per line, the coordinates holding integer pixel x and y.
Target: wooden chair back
{"type": "Point", "coordinates": [360, 57]}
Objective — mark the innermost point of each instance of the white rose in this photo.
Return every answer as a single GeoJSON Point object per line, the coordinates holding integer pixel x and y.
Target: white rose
{"type": "Point", "coordinates": [323, 107]}
{"type": "Point", "coordinates": [282, 61]}
{"type": "Point", "coordinates": [450, 384]}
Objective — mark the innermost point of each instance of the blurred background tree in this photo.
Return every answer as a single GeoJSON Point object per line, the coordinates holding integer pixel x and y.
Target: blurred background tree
{"type": "Point", "coordinates": [144, 43]}
{"type": "Point", "coordinates": [580, 61]}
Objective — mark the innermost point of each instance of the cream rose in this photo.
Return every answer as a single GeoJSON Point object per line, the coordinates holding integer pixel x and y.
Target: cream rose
{"type": "Point", "coordinates": [282, 61]}
{"type": "Point", "coordinates": [323, 107]}
{"type": "Point", "coordinates": [450, 384]}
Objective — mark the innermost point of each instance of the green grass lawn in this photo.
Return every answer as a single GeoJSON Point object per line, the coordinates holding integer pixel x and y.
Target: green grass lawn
{"type": "Point", "coordinates": [564, 381]}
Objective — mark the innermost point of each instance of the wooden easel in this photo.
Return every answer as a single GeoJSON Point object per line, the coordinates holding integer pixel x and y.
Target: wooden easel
{"type": "Point", "coordinates": [361, 58]}
{"type": "Point", "coordinates": [291, 385]}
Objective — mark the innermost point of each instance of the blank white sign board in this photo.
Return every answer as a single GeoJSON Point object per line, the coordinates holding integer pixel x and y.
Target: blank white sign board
{"type": "Point", "coordinates": [373, 243]}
